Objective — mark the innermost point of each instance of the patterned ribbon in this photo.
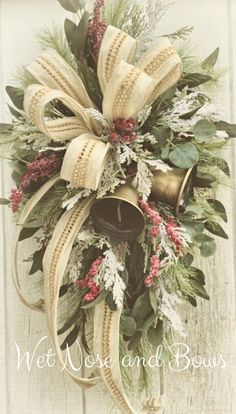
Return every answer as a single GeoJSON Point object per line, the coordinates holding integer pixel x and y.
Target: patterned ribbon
{"type": "Point", "coordinates": [126, 88]}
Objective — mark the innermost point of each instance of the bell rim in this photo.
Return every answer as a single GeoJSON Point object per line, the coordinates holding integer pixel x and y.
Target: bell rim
{"type": "Point", "coordinates": [121, 199]}
{"type": "Point", "coordinates": [183, 185]}
{"type": "Point", "coordinates": [142, 219]}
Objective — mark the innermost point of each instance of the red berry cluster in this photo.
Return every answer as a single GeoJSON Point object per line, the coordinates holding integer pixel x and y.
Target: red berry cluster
{"type": "Point", "coordinates": [173, 234]}
{"type": "Point", "coordinates": [43, 166]}
{"type": "Point", "coordinates": [89, 282]}
{"type": "Point", "coordinates": [154, 270]}
{"type": "Point", "coordinates": [154, 216]}
{"type": "Point", "coordinates": [97, 28]}
{"type": "Point", "coordinates": [124, 131]}
{"type": "Point", "coordinates": [16, 198]}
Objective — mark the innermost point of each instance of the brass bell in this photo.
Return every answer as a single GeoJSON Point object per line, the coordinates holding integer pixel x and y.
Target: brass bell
{"type": "Point", "coordinates": [118, 215]}
{"type": "Point", "coordinates": [173, 187]}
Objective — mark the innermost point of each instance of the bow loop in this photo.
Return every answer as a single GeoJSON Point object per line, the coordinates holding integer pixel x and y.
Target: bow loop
{"type": "Point", "coordinates": [163, 64]}
{"type": "Point", "coordinates": [51, 70]}
{"type": "Point", "coordinates": [116, 46]}
{"type": "Point", "coordinates": [84, 161]}
{"type": "Point", "coordinates": [37, 98]}
{"type": "Point", "coordinates": [128, 91]}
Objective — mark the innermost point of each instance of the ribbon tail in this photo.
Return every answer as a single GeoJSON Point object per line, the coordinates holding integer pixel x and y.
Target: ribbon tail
{"type": "Point", "coordinates": [54, 264]}
{"type": "Point", "coordinates": [106, 344]}
{"type": "Point", "coordinates": [39, 306]}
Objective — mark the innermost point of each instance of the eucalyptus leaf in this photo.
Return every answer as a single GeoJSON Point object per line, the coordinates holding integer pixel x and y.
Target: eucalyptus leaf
{"type": "Point", "coordinates": [4, 201]}
{"type": "Point", "coordinates": [162, 134]}
{"type": "Point", "coordinates": [215, 228]}
{"type": "Point", "coordinates": [207, 245]}
{"type": "Point", "coordinates": [211, 60]}
{"type": "Point", "coordinates": [204, 130]}
{"type": "Point", "coordinates": [225, 126]}
{"type": "Point", "coordinates": [17, 96]}
{"type": "Point", "coordinates": [128, 325]}
{"type": "Point", "coordinates": [165, 152]}
{"type": "Point", "coordinates": [193, 227]}
{"type": "Point", "coordinates": [184, 155]}
{"type": "Point", "coordinates": [71, 338]}
{"type": "Point", "coordinates": [71, 5]}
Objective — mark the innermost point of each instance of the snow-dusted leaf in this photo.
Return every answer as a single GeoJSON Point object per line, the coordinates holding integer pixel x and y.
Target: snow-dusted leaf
{"type": "Point", "coordinates": [142, 180]}
{"type": "Point", "coordinates": [158, 165]}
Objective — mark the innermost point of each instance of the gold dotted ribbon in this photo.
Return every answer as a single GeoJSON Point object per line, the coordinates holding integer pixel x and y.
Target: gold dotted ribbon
{"type": "Point", "coordinates": [163, 64]}
{"type": "Point", "coordinates": [37, 97]}
{"type": "Point", "coordinates": [128, 91]}
{"type": "Point", "coordinates": [106, 344]}
{"type": "Point", "coordinates": [116, 46]}
{"type": "Point", "coordinates": [84, 161]}
{"type": "Point", "coordinates": [54, 265]}
{"type": "Point", "coordinates": [51, 70]}
{"type": "Point", "coordinates": [30, 205]}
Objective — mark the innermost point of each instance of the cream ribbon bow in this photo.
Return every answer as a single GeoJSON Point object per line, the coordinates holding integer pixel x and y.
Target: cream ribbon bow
{"type": "Point", "coordinates": [126, 90]}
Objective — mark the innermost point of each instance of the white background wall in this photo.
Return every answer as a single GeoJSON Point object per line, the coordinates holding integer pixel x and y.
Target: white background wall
{"type": "Point", "coordinates": [211, 326]}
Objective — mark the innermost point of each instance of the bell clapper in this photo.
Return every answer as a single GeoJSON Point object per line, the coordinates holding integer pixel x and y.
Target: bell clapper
{"type": "Point", "coordinates": [119, 212]}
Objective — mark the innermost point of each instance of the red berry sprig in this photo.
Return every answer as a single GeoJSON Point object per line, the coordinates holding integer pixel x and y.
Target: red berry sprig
{"type": "Point", "coordinates": [89, 282]}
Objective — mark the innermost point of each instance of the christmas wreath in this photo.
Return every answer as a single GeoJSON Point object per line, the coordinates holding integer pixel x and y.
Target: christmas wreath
{"type": "Point", "coordinates": [116, 151]}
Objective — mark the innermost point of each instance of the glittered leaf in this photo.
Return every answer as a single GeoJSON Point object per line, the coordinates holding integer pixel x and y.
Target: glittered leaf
{"type": "Point", "coordinates": [215, 228]}
{"type": "Point", "coordinates": [219, 208]}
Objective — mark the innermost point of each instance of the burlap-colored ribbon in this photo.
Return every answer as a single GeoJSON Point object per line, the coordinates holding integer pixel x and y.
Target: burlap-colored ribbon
{"type": "Point", "coordinates": [126, 88]}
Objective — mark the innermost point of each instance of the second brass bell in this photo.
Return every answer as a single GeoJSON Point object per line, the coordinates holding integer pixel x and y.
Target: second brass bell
{"type": "Point", "coordinates": [174, 187]}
